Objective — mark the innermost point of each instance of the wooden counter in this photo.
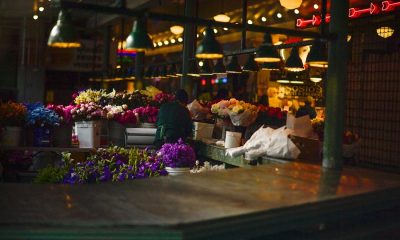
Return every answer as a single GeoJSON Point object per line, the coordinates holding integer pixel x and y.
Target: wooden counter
{"type": "Point", "coordinates": [233, 204]}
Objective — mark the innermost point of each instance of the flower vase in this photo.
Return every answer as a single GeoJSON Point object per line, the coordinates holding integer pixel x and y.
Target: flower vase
{"type": "Point", "coordinates": [11, 136]}
{"type": "Point", "coordinates": [41, 137]}
{"type": "Point", "coordinates": [62, 136]}
{"type": "Point", "coordinates": [88, 133]}
{"type": "Point", "coordinates": [177, 171]}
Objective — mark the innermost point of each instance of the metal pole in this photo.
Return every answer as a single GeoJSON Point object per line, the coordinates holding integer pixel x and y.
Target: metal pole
{"type": "Point", "coordinates": [336, 79]}
{"type": "Point", "coordinates": [244, 23]}
{"type": "Point", "coordinates": [189, 41]}
{"type": "Point", "coordinates": [139, 69]}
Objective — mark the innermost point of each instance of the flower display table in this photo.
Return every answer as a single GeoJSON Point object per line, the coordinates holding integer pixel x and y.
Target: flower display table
{"type": "Point", "coordinates": [233, 204]}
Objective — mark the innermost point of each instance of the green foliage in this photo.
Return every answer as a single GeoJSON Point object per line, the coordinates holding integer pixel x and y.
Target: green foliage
{"type": "Point", "coordinates": [51, 175]}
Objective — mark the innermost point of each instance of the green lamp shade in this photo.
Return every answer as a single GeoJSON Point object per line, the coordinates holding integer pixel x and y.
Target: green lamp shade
{"type": "Point", "coordinates": [267, 52]}
{"type": "Point", "coordinates": [274, 66]}
{"type": "Point", "coordinates": [206, 69]}
{"type": "Point", "coordinates": [294, 62]}
{"type": "Point", "coordinates": [233, 66]}
{"type": "Point", "coordinates": [318, 55]}
{"type": "Point", "coordinates": [63, 34]}
{"type": "Point", "coordinates": [219, 68]}
{"type": "Point", "coordinates": [251, 65]}
{"type": "Point", "coordinates": [209, 47]}
{"type": "Point", "coordinates": [172, 71]}
{"type": "Point", "coordinates": [139, 40]}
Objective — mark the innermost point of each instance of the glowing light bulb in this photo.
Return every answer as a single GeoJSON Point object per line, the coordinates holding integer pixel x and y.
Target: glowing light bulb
{"type": "Point", "coordinates": [41, 9]}
{"type": "Point", "coordinates": [159, 44]}
{"type": "Point", "coordinates": [316, 6]}
{"type": "Point", "coordinates": [226, 29]}
{"type": "Point", "coordinates": [279, 15]}
{"type": "Point", "coordinates": [264, 19]}
{"type": "Point", "coordinates": [249, 22]}
{"type": "Point", "coordinates": [201, 63]}
{"type": "Point", "coordinates": [166, 42]}
{"type": "Point", "coordinates": [180, 39]}
{"type": "Point", "coordinates": [173, 40]}
{"type": "Point", "coordinates": [35, 17]}
{"type": "Point", "coordinates": [296, 11]}
{"type": "Point", "coordinates": [215, 31]}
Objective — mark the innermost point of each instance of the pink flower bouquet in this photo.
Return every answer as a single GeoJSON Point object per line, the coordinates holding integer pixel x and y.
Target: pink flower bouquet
{"type": "Point", "coordinates": [146, 114]}
{"type": "Point", "coordinates": [87, 112]}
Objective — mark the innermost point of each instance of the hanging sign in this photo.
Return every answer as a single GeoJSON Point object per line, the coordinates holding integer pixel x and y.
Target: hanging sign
{"type": "Point", "coordinates": [373, 9]}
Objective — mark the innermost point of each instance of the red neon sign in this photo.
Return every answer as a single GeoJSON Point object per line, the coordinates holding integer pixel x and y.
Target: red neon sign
{"type": "Point", "coordinates": [388, 6]}
{"type": "Point", "coordinates": [373, 9]}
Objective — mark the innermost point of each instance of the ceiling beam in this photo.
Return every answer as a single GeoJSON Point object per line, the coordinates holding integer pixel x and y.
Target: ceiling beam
{"type": "Point", "coordinates": [183, 19]}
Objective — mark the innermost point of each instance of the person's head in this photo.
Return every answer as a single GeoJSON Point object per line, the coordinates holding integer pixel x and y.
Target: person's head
{"type": "Point", "coordinates": [182, 96]}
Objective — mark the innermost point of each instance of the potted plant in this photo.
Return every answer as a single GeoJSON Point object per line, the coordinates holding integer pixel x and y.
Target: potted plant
{"type": "Point", "coordinates": [87, 118]}
{"type": "Point", "coordinates": [12, 118]}
{"type": "Point", "coordinates": [62, 134]}
{"type": "Point", "coordinates": [42, 120]}
{"type": "Point", "coordinates": [119, 119]}
{"type": "Point", "coordinates": [177, 157]}
{"type": "Point", "coordinates": [147, 116]}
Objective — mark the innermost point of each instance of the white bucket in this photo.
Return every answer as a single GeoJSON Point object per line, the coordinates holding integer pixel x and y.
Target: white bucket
{"type": "Point", "coordinates": [233, 139]}
{"type": "Point", "coordinates": [11, 136]}
{"type": "Point", "coordinates": [88, 133]}
{"type": "Point", "coordinates": [202, 130]}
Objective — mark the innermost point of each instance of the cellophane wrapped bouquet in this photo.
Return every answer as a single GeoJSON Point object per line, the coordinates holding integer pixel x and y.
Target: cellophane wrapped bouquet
{"type": "Point", "coordinates": [198, 110]}
{"type": "Point", "coordinates": [242, 113]}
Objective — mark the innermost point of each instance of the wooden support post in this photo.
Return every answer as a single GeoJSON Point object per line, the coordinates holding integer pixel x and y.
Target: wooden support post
{"type": "Point", "coordinates": [335, 91]}
{"type": "Point", "coordinates": [139, 70]}
{"type": "Point", "coordinates": [189, 44]}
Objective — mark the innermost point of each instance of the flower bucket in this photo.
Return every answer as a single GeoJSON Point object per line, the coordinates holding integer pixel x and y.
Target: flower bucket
{"type": "Point", "coordinates": [202, 130]}
{"type": "Point", "coordinates": [62, 136]}
{"type": "Point", "coordinates": [177, 171]}
{"type": "Point", "coordinates": [88, 133]}
{"type": "Point", "coordinates": [233, 139]}
{"type": "Point", "coordinates": [42, 137]}
{"type": "Point", "coordinates": [11, 136]}
{"type": "Point", "coordinates": [116, 133]}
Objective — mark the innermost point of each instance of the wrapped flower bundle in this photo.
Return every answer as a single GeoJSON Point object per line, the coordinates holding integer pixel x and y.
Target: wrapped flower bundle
{"type": "Point", "coordinates": [221, 109]}
{"type": "Point", "coordinates": [161, 98]}
{"type": "Point", "coordinates": [120, 114]}
{"type": "Point", "coordinates": [131, 100]}
{"type": "Point", "coordinates": [177, 155]}
{"type": "Point", "coordinates": [12, 114]}
{"type": "Point", "coordinates": [64, 112]}
{"type": "Point", "coordinates": [40, 116]}
{"type": "Point", "coordinates": [90, 96]}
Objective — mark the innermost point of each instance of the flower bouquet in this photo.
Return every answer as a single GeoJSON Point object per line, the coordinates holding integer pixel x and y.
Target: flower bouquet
{"type": "Point", "coordinates": [88, 126]}
{"type": "Point", "coordinates": [120, 118]}
{"type": "Point", "coordinates": [110, 164]}
{"type": "Point", "coordinates": [131, 100]}
{"type": "Point", "coordinates": [198, 111]}
{"type": "Point", "coordinates": [62, 136]}
{"type": "Point", "coordinates": [146, 114]}
{"type": "Point", "coordinates": [91, 96]}
{"type": "Point", "coordinates": [151, 92]}
{"type": "Point", "coordinates": [43, 120]}
{"type": "Point", "coordinates": [12, 117]}
{"type": "Point", "coordinates": [242, 113]}
{"type": "Point", "coordinates": [177, 155]}
{"type": "Point", "coordinates": [161, 98]}
{"type": "Point", "coordinates": [275, 117]}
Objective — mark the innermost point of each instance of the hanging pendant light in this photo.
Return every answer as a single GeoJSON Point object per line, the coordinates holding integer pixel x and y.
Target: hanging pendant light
{"type": "Point", "coordinates": [251, 65]}
{"type": "Point", "coordinates": [139, 40]}
{"type": "Point", "coordinates": [63, 34]}
{"type": "Point", "coordinates": [290, 4]}
{"type": "Point", "coordinates": [172, 71]}
{"type": "Point", "coordinates": [273, 66]}
{"type": "Point", "coordinates": [176, 29]}
{"type": "Point", "coordinates": [267, 53]}
{"type": "Point", "coordinates": [222, 17]}
{"type": "Point", "coordinates": [219, 67]}
{"type": "Point", "coordinates": [206, 69]}
{"type": "Point", "coordinates": [233, 66]}
{"type": "Point", "coordinates": [209, 47]}
{"type": "Point", "coordinates": [318, 55]}
{"type": "Point", "coordinates": [294, 63]}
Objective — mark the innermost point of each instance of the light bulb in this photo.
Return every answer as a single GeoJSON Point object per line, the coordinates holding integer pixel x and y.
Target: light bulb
{"type": "Point", "coordinates": [180, 39]}
{"type": "Point", "coordinates": [41, 9]}
{"type": "Point", "coordinates": [35, 17]}
{"type": "Point", "coordinates": [296, 11]}
{"type": "Point", "coordinates": [279, 15]}
{"type": "Point", "coordinates": [249, 22]}
{"type": "Point", "coordinates": [264, 19]}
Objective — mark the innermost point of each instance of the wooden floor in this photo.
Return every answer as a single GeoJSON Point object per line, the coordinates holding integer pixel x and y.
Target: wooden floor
{"type": "Point", "coordinates": [234, 204]}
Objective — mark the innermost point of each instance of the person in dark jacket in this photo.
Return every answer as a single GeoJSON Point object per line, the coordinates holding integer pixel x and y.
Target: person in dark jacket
{"type": "Point", "coordinates": [307, 109]}
{"type": "Point", "coordinates": [173, 120]}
